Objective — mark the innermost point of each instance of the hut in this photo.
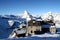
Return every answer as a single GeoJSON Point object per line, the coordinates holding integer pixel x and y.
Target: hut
{"type": "Point", "coordinates": [18, 32]}
{"type": "Point", "coordinates": [21, 31]}
{"type": "Point", "coordinates": [33, 26]}
{"type": "Point", "coordinates": [46, 26]}
{"type": "Point", "coordinates": [47, 23]}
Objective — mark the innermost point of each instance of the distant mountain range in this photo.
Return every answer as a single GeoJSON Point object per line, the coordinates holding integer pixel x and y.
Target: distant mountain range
{"type": "Point", "coordinates": [6, 29]}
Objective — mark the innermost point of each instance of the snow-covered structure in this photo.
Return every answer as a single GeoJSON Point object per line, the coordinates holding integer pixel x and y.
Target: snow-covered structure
{"type": "Point", "coordinates": [18, 32]}
{"type": "Point", "coordinates": [38, 18]}
{"type": "Point", "coordinates": [34, 25]}
{"type": "Point", "coordinates": [47, 21]}
{"type": "Point", "coordinates": [17, 24]}
{"type": "Point", "coordinates": [22, 25]}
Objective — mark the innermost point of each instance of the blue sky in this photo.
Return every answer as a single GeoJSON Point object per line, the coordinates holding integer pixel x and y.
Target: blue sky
{"type": "Point", "coordinates": [33, 6]}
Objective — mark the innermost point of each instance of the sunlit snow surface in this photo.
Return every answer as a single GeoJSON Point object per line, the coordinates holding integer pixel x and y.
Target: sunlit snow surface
{"type": "Point", "coordinates": [41, 35]}
{"type": "Point", "coordinates": [45, 36]}
{"type": "Point", "coordinates": [5, 29]}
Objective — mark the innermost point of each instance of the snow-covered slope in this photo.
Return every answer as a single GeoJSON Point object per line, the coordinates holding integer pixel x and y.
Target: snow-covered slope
{"type": "Point", "coordinates": [46, 35]}
{"type": "Point", "coordinates": [9, 22]}
{"type": "Point", "coordinates": [57, 20]}
{"type": "Point", "coordinates": [7, 26]}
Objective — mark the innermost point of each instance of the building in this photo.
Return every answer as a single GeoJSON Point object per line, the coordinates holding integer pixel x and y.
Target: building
{"type": "Point", "coordinates": [34, 25]}
{"type": "Point", "coordinates": [46, 26]}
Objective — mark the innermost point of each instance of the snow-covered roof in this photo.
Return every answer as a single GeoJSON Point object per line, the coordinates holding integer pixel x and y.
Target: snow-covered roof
{"type": "Point", "coordinates": [38, 19]}
{"type": "Point", "coordinates": [33, 18]}
{"type": "Point", "coordinates": [22, 24]}
{"type": "Point", "coordinates": [52, 26]}
{"type": "Point", "coordinates": [20, 31]}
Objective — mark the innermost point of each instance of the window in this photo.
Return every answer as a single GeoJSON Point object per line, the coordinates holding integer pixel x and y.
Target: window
{"type": "Point", "coordinates": [23, 26]}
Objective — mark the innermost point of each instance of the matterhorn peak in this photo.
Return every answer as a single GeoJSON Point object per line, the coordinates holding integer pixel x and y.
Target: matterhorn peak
{"type": "Point", "coordinates": [26, 12]}
{"type": "Point", "coordinates": [26, 15]}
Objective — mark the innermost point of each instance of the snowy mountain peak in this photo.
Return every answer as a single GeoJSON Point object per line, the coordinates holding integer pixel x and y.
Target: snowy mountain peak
{"type": "Point", "coordinates": [26, 12]}
{"type": "Point", "coordinates": [49, 13]}
{"type": "Point", "coordinates": [26, 15]}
